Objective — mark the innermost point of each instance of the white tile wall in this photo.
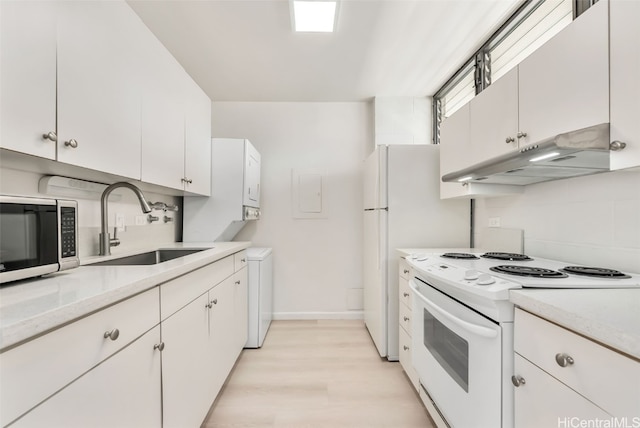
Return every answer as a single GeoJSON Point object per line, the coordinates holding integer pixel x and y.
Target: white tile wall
{"type": "Point", "coordinates": [592, 220]}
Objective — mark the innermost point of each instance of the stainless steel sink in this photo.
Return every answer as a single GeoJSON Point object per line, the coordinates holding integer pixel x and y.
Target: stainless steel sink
{"type": "Point", "coordinates": [151, 257]}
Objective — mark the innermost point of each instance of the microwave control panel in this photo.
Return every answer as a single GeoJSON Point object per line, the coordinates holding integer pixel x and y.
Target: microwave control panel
{"type": "Point", "coordinates": [68, 231]}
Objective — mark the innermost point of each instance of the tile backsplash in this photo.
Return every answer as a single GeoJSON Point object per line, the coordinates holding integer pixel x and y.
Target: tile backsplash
{"type": "Point", "coordinates": [592, 220]}
{"type": "Point", "coordinates": [17, 182]}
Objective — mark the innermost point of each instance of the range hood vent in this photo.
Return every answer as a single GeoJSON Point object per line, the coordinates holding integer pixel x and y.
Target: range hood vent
{"type": "Point", "coordinates": [575, 153]}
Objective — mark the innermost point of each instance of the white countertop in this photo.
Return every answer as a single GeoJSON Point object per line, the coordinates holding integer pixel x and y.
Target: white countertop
{"type": "Point", "coordinates": [32, 307]}
{"type": "Point", "coordinates": [408, 251]}
{"type": "Point", "coordinates": [611, 317]}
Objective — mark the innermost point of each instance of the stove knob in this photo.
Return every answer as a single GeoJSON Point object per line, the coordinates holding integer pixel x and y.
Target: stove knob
{"type": "Point", "coordinates": [471, 274]}
{"type": "Point", "coordinates": [485, 279]}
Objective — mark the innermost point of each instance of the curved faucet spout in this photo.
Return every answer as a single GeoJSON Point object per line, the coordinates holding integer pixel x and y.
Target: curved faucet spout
{"type": "Point", "coordinates": [105, 239]}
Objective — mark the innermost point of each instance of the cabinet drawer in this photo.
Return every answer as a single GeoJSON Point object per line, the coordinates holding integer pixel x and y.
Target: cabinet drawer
{"type": "Point", "coordinates": [33, 371]}
{"type": "Point", "coordinates": [405, 318]}
{"type": "Point", "coordinates": [404, 291]}
{"type": "Point", "coordinates": [543, 401]}
{"type": "Point", "coordinates": [405, 358]}
{"type": "Point", "coordinates": [405, 270]}
{"type": "Point", "coordinates": [177, 293]}
{"type": "Point", "coordinates": [239, 260]}
{"type": "Point", "coordinates": [607, 378]}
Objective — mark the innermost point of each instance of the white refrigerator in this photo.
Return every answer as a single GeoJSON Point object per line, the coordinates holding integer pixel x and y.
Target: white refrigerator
{"type": "Point", "coordinates": [402, 209]}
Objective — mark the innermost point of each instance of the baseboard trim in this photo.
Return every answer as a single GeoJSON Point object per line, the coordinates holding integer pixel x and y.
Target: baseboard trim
{"type": "Point", "coordinates": [349, 315]}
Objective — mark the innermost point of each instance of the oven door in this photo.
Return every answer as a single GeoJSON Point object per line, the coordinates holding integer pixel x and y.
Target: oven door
{"type": "Point", "coordinates": [457, 354]}
{"type": "Point", "coordinates": [29, 237]}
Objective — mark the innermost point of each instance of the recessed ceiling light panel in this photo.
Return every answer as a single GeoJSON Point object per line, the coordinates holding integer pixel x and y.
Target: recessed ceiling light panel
{"type": "Point", "coordinates": [315, 16]}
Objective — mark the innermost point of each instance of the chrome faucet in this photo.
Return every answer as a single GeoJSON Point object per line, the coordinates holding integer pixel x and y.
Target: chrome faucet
{"type": "Point", "coordinates": [105, 240]}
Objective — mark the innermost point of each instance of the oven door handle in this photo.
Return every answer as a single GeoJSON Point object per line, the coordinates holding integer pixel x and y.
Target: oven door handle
{"type": "Point", "coordinates": [473, 328]}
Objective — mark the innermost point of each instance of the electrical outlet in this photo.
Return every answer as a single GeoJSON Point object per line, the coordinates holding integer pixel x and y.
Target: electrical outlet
{"type": "Point", "coordinates": [494, 221]}
{"type": "Point", "coordinates": [120, 222]}
{"type": "Point", "coordinates": [141, 220]}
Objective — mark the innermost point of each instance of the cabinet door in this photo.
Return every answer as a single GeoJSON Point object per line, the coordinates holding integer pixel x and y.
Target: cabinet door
{"type": "Point", "coordinates": [100, 86]}
{"type": "Point", "coordinates": [28, 76]}
{"type": "Point", "coordinates": [564, 85]}
{"type": "Point", "coordinates": [186, 359]}
{"type": "Point", "coordinates": [625, 85]}
{"type": "Point", "coordinates": [543, 401]}
{"type": "Point", "coordinates": [163, 121]}
{"type": "Point", "coordinates": [223, 332]}
{"type": "Point", "coordinates": [252, 176]}
{"type": "Point", "coordinates": [197, 156]}
{"type": "Point", "coordinates": [454, 150]}
{"type": "Point", "coordinates": [241, 309]}
{"type": "Point", "coordinates": [494, 119]}
{"type": "Point", "coordinates": [124, 391]}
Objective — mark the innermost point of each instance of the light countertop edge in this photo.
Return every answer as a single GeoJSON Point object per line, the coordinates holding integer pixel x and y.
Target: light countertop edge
{"type": "Point", "coordinates": [610, 317]}
{"type": "Point", "coordinates": [33, 307]}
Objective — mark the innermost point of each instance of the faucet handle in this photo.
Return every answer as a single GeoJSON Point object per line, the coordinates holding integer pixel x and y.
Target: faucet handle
{"type": "Point", "coordinates": [152, 218]}
{"type": "Point", "coordinates": [114, 242]}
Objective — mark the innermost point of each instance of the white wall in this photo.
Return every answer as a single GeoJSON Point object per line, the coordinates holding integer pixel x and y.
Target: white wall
{"type": "Point", "coordinates": [317, 262]}
{"type": "Point", "coordinates": [592, 220]}
{"type": "Point", "coordinates": [16, 182]}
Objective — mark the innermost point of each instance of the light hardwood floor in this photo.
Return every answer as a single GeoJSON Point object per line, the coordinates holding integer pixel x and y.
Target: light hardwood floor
{"type": "Point", "coordinates": [315, 374]}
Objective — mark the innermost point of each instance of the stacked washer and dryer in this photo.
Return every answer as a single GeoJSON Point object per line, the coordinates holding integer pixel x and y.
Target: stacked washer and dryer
{"type": "Point", "coordinates": [234, 200]}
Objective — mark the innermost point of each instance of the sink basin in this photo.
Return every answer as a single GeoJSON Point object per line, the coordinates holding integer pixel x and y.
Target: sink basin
{"type": "Point", "coordinates": [151, 257]}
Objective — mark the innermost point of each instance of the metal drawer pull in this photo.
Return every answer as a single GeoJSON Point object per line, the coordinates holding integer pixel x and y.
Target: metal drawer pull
{"type": "Point", "coordinates": [509, 140]}
{"type": "Point", "coordinates": [159, 346]}
{"type": "Point", "coordinates": [521, 134]}
{"type": "Point", "coordinates": [50, 136]}
{"type": "Point", "coordinates": [113, 334]}
{"type": "Point", "coordinates": [564, 360]}
{"type": "Point", "coordinates": [71, 143]}
{"type": "Point", "coordinates": [214, 301]}
{"type": "Point", "coordinates": [406, 271]}
{"type": "Point", "coordinates": [517, 380]}
{"type": "Point", "coordinates": [238, 282]}
{"type": "Point", "coordinates": [243, 260]}
{"type": "Point", "coordinates": [406, 318]}
{"type": "Point", "coordinates": [406, 348]}
{"type": "Point", "coordinates": [405, 294]}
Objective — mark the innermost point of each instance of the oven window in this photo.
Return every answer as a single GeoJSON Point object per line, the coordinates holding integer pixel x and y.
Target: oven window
{"type": "Point", "coordinates": [449, 349]}
{"type": "Point", "coordinates": [28, 236]}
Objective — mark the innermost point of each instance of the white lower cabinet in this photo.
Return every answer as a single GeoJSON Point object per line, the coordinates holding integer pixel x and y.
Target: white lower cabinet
{"type": "Point", "coordinates": [404, 331]}
{"type": "Point", "coordinates": [123, 391]}
{"type": "Point", "coordinates": [196, 365]}
{"type": "Point", "coordinates": [560, 374]}
{"type": "Point", "coordinates": [156, 359]}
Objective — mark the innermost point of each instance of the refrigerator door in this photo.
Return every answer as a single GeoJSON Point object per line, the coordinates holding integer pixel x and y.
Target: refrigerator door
{"type": "Point", "coordinates": [375, 179]}
{"type": "Point", "coordinates": [374, 277]}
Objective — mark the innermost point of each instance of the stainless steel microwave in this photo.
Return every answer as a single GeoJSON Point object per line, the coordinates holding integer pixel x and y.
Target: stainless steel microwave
{"type": "Point", "coordinates": [37, 236]}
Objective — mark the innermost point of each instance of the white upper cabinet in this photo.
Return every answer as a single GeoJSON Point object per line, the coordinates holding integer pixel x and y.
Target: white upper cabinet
{"type": "Point", "coordinates": [28, 77]}
{"type": "Point", "coordinates": [625, 85]}
{"type": "Point", "coordinates": [163, 125]}
{"type": "Point", "coordinates": [494, 118]}
{"type": "Point", "coordinates": [100, 53]}
{"type": "Point", "coordinates": [197, 149]}
{"type": "Point", "coordinates": [564, 85]}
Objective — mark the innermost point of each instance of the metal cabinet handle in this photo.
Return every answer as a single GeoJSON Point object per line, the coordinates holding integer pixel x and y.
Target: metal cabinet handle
{"type": "Point", "coordinates": [509, 140]}
{"type": "Point", "coordinates": [406, 348]}
{"type": "Point", "coordinates": [406, 271]}
{"type": "Point", "coordinates": [617, 145]}
{"type": "Point", "coordinates": [214, 301]}
{"type": "Point", "coordinates": [113, 334]}
{"type": "Point", "coordinates": [50, 136]}
{"type": "Point", "coordinates": [71, 143]}
{"type": "Point", "coordinates": [243, 260]}
{"type": "Point", "coordinates": [517, 380]}
{"type": "Point", "coordinates": [521, 134]}
{"type": "Point", "coordinates": [186, 180]}
{"type": "Point", "coordinates": [238, 282]}
{"type": "Point", "coordinates": [406, 318]}
{"type": "Point", "coordinates": [159, 346]}
{"type": "Point", "coordinates": [405, 294]}
{"type": "Point", "coordinates": [564, 360]}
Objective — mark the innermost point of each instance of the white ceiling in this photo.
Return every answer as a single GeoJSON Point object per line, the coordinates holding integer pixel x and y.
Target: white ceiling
{"type": "Point", "coordinates": [245, 50]}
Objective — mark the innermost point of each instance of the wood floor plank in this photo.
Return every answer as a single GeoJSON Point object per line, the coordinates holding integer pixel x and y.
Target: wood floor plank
{"type": "Point", "coordinates": [316, 374]}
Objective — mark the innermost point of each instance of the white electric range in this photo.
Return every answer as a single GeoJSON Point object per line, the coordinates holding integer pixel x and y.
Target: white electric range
{"type": "Point", "coordinates": [463, 326]}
